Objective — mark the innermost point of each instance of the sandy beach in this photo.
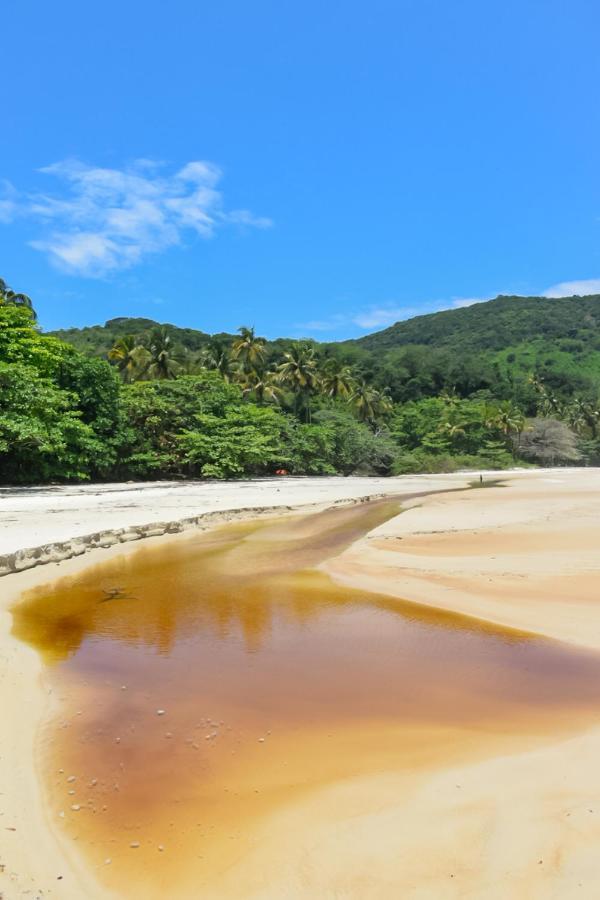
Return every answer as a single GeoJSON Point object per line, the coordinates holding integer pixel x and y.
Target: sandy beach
{"type": "Point", "coordinates": [512, 819]}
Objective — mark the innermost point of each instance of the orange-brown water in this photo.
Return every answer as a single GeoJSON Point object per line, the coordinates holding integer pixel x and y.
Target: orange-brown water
{"type": "Point", "coordinates": [203, 684]}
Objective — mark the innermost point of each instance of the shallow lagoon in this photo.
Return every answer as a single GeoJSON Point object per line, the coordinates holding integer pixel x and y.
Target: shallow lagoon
{"type": "Point", "coordinates": [204, 683]}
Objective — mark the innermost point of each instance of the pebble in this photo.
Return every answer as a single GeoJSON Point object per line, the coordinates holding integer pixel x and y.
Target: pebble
{"type": "Point", "coordinates": [107, 862]}
{"type": "Point", "coordinates": [134, 845]}
{"type": "Point", "coordinates": [160, 712]}
{"type": "Point", "coordinates": [261, 740]}
{"type": "Point", "coordinates": [70, 792]}
{"type": "Point", "coordinates": [76, 807]}
{"type": "Point", "coordinates": [71, 778]}
{"type": "Point", "coordinates": [161, 848]}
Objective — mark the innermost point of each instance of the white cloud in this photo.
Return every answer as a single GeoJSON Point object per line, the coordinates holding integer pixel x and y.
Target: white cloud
{"type": "Point", "coordinates": [370, 317]}
{"type": "Point", "coordinates": [8, 201]}
{"type": "Point", "coordinates": [570, 288]}
{"type": "Point", "coordinates": [378, 316]}
{"type": "Point", "coordinates": [109, 219]}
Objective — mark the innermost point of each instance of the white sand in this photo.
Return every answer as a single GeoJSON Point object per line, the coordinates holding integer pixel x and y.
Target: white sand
{"type": "Point", "coordinates": [521, 827]}
{"type": "Point", "coordinates": [31, 517]}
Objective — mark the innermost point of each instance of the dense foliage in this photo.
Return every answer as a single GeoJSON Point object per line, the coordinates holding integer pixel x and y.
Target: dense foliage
{"type": "Point", "coordinates": [513, 380]}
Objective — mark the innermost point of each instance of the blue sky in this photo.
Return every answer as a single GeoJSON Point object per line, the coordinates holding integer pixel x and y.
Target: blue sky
{"type": "Point", "coordinates": [314, 168]}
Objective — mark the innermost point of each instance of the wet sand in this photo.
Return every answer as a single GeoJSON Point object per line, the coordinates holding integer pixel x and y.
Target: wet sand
{"type": "Point", "coordinates": [337, 741]}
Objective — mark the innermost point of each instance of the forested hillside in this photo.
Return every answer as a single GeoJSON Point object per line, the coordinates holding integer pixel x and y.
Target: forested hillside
{"type": "Point", "coordinates": [490, 346]}
{"type": "Point", "coordinates": [498, 324]}
{"type": "Point", "coordinates": [512, 381]}
{"type": "Point", "coordinates": [97, 340]}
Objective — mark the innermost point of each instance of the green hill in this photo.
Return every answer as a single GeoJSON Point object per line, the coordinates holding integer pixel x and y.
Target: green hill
{"type": "Point", "coordinates": [96, 340]}
{"type": "Point", "coordinates": [572, 323]}
{"type": "Point", "coordinates": [484, 347]}
{"type": "Point", "coordinates": [491, 346]}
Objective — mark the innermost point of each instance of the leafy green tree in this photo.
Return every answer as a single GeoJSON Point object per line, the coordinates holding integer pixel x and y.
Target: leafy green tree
{"type": "Point", "coordinates": [355, 447]}
{"type": "Point", "coordinates": [246, 440]}
{"type": "Point", "coordinates": [9, 297]}
{"type": "Point", "coordinates": [42, 437]}
{"type": "Point", "coordinates": [158, 412]}
{"type": "Point", "coordinates": [21, 342]}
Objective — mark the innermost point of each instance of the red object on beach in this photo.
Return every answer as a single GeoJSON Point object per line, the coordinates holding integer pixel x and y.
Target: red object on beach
{"type": "Point", "coordinates": [281, 472]}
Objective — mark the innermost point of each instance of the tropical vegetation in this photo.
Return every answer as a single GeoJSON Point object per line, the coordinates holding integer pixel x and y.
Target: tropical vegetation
{"type": "Point", "coordinates": [468, 388]}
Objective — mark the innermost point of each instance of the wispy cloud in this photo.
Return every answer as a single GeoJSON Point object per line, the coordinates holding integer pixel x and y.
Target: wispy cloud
{"type": "Point", "coordinates": [374, 316]}
{"type": "Point", "coordinates": [380, 316]}
{"type": "Point", "coordinates": [569, 288]}
{"type": "Point", "coordinates": [8, 201]}
{"type": "Point", "coordinates": [103, 220]}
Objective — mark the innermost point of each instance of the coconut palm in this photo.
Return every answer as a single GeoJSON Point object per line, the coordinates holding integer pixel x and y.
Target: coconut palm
{"type": "Point", "coordinates": [585, 412]}
{"type": "Point", "coordinates": [509, 418]}
{"type": "Point", "coordinates": [574, 416]}
{"type": "Point", "coordinates": [9, 297]}
{"type": "Point", "coordinates": [249, 350]}
{"type": "Point", "coordinates": [370, 404]}
{"type": "Point", "coordinates": [128, 357]}
{"type": "Point", "coordinates": [262, 386]}
{"type": "Point", "coordinates": [162, 362]}
{"type": "Point", "coordinates": [217, 357]}
{"type": "Point", "coordinates": [337, 380]}
{"type": "Point", "coordinates": [299, 374]}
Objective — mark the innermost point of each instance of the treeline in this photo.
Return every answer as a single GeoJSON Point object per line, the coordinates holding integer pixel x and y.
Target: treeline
{"type": "Point", "coordinates": [239, 406]}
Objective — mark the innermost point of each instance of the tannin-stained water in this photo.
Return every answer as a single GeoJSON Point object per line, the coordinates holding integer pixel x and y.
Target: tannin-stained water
{"type": "Point", "coordinates": [205, 683]}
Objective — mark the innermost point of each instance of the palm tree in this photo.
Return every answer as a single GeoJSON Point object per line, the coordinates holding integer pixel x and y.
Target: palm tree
{"type": "Point", "coordinates": [298, 372]}
{"type": "Point", "coordinates": [163, 362]}
{"type": "Point", "coordinates": [128, 357]}
{"type": "Point", "coordinates": [249, 350]}
{"type": "Point", "coordinates": [12, 298]}
{"type": "Point", "coordinates": [584, 412]}
{"type": "Point", "coordinates": [337, 380]}
{"type": "Point", "coordinates": [509, 418]}
{"type": "Point", "coordinates": [263, 386]}
{"type": "Point", "coordinates": [549, 405]}
{"type": "Point", "coordinates": [217, 357]}
{"type": "Point", "coordinates": [370, 404]}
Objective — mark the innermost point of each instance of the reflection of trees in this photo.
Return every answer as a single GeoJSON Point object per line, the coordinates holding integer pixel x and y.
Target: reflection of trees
{"type": "Point", "coordinates": [232, 584]}
{"type": "Point", "coordinates": [188, 602]}
{"type": "Point", "coordinates": [218, 584]}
